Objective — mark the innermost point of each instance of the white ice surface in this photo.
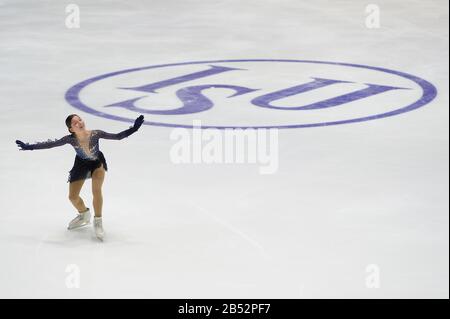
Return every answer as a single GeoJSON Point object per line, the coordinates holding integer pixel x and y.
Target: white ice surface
{"type": "Point", "coordinates": [344, 196]}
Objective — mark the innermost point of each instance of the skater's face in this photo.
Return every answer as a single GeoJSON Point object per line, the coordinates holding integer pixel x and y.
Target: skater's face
{"type": "Point", "coordinates": [77, 123]}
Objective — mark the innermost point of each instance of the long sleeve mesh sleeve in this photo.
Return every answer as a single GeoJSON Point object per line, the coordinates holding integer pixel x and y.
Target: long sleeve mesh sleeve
{"type": "Point", "coordinates": [116, 136]}
{"type": "Point", "coordinates": [49, 143]}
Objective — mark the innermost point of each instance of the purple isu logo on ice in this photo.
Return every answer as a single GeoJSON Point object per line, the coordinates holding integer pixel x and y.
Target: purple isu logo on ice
{"type": "Point", "coordinates": [257, 93]}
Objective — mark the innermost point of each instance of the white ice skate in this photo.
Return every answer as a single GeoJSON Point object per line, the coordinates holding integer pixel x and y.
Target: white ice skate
{"type": "Point", "coordinates": [81, 220]}
{"type": "Point", "coordinates": [98, 227]}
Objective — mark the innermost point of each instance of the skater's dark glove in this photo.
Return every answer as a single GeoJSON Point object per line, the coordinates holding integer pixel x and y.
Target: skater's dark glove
{"type": "Point", "coordinates": [23, 146]}
{"type": "Point", "coordinates": [138, 122]}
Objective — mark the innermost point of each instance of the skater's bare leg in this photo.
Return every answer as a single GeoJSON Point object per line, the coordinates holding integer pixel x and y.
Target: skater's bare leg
{"type": "Point", "coordinates": [74, 195]}
{"type": "Point", "coordinates": [98, 177]}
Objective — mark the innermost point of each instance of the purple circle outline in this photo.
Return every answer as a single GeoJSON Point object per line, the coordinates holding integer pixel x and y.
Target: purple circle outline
{"type": "Point", "coordinates": [429, 93]}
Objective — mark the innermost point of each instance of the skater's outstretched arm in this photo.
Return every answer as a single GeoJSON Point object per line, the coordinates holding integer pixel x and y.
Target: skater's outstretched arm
{"type": "Point", "coordinates": [118, 136]}
{"type": "Point", "coordinates": [42, 145]}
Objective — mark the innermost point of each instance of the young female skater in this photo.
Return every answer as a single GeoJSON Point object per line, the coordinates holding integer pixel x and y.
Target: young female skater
{"type": "Point", "coordinates": [89, 163]}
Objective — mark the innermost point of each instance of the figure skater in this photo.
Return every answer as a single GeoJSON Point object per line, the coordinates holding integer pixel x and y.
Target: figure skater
{"type": "Point", "coordinates": [89, 163]}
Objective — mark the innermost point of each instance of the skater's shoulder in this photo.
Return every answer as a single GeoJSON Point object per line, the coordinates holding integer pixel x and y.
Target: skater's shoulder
{"type": "Point", "coordinates": [69, 138]}
{"type": "Point", "coordinates": [96, 132]}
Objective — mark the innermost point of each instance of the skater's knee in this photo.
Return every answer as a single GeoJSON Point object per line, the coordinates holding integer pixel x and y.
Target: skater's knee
{"type": "Point", "coordinates": [73, 198]}
{"type": "Point", "coordinates": [97, 193]}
